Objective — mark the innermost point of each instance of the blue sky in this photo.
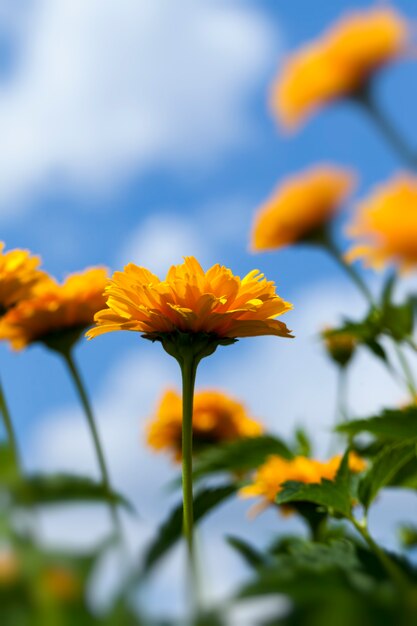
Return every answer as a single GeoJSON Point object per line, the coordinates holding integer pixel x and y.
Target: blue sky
{"type": "Point", "coordinates": [139, 131]}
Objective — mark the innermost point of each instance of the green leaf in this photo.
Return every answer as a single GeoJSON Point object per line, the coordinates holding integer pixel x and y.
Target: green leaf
{"type": "Point", "coordinates": [39, 489]}
{"type": "Point", "coordinates": [335, 496]}
{"type": "Point", "coordinates": [171, 530]}
{"type": "Point", "coordinates": [253, 557]}
{"type": "Point", "coordinates": [239, 456]}
{"type": "Point", "coordinates": [391, 424]}
{"type": "Point", "coordinates": [384, 467]}
{"type": "Point", "coordinates": [302, 443]}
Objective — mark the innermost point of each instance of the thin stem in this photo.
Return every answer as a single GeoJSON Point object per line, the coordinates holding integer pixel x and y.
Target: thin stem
{"type": "Point", "coordinates": [386, 128]}
{"type": "Point", "coordinates": [393, 571]}
{"type": "Point", "coordinates": [79, 385]}
{"type": "Point", "coordinates": [341, 396]}
{"type": "Point", "coordinates": [8, 424]}
{"type": "Point", "coordinates": [188, 370]}
{"type": "Point", "coordinates": [350, 271]}
{"type": "Point", "coordinates": [408, 374]}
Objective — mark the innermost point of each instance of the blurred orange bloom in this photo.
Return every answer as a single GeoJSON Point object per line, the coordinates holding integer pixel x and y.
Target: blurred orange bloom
{"type": "Point", "coordinates": [300, 207]}
{"type": "Point", "coordinates": [56, 308]}
{"type": "Point", "coordinates": [270, 477]}
{"type": "Point", "coordinates": [217, 417]}
{"type": "Point", "coordinates": [386, 223]}
{"type": "Point", "coordinates": [62, 584]}
{"type": "Point", "coordinates": [338, 63]}
{"type": "Point", "coordinates": [339, 345]}
{"type": "Point", "coordinates": [19, 274]}
{"type": "Point", "coordinates": [9, 568]}
{"type": "Point", "coordinates": [192, 301]}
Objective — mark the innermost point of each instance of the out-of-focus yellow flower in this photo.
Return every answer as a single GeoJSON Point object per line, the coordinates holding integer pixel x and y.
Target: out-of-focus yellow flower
{"type": "Point", "coordinates": [338, 63]}
{"type": "Point", "coordinates": [217, 417]}
{"type": "Point", "coordinates": [300, 207]}
{"type": "Point", "coordinates": [61, 584]}
{"type": "Point", "coordinates": [270, 477]}
{"type": "Point", "coordinates": [19, 275]}
{"type": "Point", "coordinates": [386, 223]}
{"type": "Point", "coordinates": [191, 301]}
{"type": "Point", "coordinates": [9, 568]}
{"type": "Point", "coordinates": [55, 309]}
{"type": "Point", "coordinates": [339, 345]}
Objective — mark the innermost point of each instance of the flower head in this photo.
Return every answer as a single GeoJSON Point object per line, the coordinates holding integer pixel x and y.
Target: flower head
{"type": "Point", "coordinates": [300, 207]}
{"type": "Point", "coordinates": [9, 568]}
{"type": "Point", "coordinates": [338, 63]}
{"type": "Point", "coordinates": [191, 302]}
{"type": "Point", "coordinates": [270, 477]}
{"type": "Point", "coordinates": [19, 275]}
{"type": "Point", "coordinates": [386, 225]}
{"type": "Point", "coordinates": [56, 309]}
{"type": "Point", "coordinates": [217, 417]}
{"type": "Point", "coordinates": [61, 584]}
{"type": "Point", "coordinates": [339, 345]}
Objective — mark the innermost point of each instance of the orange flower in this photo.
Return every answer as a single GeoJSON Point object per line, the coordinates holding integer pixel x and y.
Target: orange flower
{"type": "Point", "coordinates": [270, 477]}
{"type": "Point", "coordinates": [217, 417]}
{"type": "Point", "coordinates": [56, 309]}
{"type": "Point", "coordinates": [9, 568]}
{"type": "Point", "coordinates": [62, 584]}
{"type": "Point", "coordinates": [191, 301]}
{"type": "Point", "coordinates": [387, 223]}
{"type": "Point", "coordinates": [19, 274]}
{"type": "Point", "coordinates": [300, 207]}
{"type": "Point", "coordinates": [339, 63]}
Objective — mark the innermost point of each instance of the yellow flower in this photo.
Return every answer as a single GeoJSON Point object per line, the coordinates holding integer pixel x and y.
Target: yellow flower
{"type": "Point", "coordinates": [217, 417]}
{"type": "Point", "coordinates": [338, 63]}
{"type": "Point", "coordinates": [270, 477]}
{"type": "Point", "coordinates": [19, 274]}
{"type": "Point", "coordinates": [300, 207]}
{"type": "Point", "coordinates": [191, 301]}
{"type": "Point", "coordinates": [56, 309]}
{"type": "Point", "coordinates": [339, 345]}
{"type": "Point", "coordinates": [386, 222]}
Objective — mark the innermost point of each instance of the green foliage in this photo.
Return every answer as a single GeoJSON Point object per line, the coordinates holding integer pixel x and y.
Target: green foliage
{"type": "Point", "coordinates": [251, 556]}
{"type": "Point", "coordinates": [335, 496]}
{"type": "Point", "coordinates": [39, 489]}
{"type": "Point", "coordinates": [384, 468]}
{"type": "Point", "coordinates": [171, 530]}
{"type": "Point", "coordinates": [393, 424]}
{"type": "Point", "coordinates": [239, 456]}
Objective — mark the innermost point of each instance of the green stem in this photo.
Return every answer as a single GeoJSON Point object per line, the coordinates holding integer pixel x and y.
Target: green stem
{"type": "Point", "coordinates": [188, 371]}
{"type": "Point", "coordinates": [349, 270]}
{"type": "Point", "coordinates": [369, 104]}
{"type": "Point", "coordinates": [8, 424]}
{"type": "Point", "coordinates": [79, 385]}
{"type": "Point", "coordinates": [393, 571]}
{"type": "Point", "coordinates": [408, 374]}
{"type": "Point", "coordinates": [341, 393]}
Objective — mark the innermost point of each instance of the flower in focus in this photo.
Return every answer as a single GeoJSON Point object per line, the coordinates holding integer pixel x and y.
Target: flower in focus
{"type": "Point", "coordinates": [301, 207]}
{"type": "Point", "coordinates": [386, 225]}
{"type": "Point", "coordinates": [193, 302]}
{"type": "Point", "coordinates": [56, 309]}
{"type": "Point", "coordinates": [340, 346]}
{"type": "Point", "coordinates": [217, 417]}
{"type": "Point", "coordinates": [339, 63]}
{"type": "Point", "coordinates": [270, 477]}
{"type": "Point", "coordinates": [19, 275]}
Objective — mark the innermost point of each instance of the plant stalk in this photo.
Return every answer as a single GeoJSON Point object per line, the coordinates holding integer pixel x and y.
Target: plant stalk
{"type": "Point", "coordinates": [8, 424]}
{"type": "Point", "coordinates": [82, 394]}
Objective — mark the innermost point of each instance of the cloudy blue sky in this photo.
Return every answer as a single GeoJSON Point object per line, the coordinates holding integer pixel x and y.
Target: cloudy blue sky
{"type": "Point", "coordinates": [138, 130]}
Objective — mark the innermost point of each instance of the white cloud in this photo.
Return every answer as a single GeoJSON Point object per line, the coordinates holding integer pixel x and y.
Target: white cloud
{"type": "Point", "coordinates": [110, 87]}
{"type": "Point", "coordinates": [162, 239]}
{"type": "Point", "coordinates": [283, 382]}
